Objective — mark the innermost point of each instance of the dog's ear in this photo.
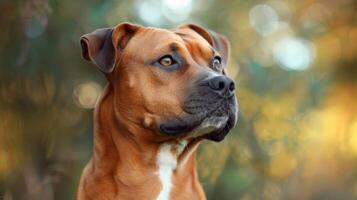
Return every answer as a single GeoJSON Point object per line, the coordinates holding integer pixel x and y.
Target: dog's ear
{"type": "Point", "coordinates": [102, 46]}
{"type": "Point", "coordinates": [218, 41]}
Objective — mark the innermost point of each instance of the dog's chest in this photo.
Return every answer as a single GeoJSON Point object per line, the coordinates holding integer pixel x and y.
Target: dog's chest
{"type": "Point", "coordinates": [167, 158]}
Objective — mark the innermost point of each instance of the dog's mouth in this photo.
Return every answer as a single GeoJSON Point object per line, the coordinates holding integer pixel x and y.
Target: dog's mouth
{"type": "Point", "coordinates": [208, 119]}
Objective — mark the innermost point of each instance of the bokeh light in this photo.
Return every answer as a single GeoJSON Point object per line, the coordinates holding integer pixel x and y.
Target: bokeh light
{"type": "Point", "coordinates": [34, 27]}
{"type": "Point", "coordinates": [160, 12]}
{"type": "Point", "coordinates": [263, 18]}
{"type": "Point", "coordinates": [150, 12]}
{"type": "Point", "coordinates": [294, 53]}
{"type": "Point", "coordinates": [87, 94]}
{"type": "Point", "coordinates": [176, 11]}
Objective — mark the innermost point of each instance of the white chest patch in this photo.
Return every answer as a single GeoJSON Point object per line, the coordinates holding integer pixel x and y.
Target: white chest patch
{"type": "Point", "coordinates": [167, 162]}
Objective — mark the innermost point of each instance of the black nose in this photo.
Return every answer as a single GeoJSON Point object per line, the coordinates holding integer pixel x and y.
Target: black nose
{"type": "Point", "coordinates": [222, 85]}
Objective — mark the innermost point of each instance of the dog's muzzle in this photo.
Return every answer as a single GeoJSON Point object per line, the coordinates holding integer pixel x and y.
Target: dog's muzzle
{"type": "Point", "coordinates": [210, 109]}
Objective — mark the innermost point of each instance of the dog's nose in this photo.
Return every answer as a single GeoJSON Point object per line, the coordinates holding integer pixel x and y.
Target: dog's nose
{"type": "Point", "coordinates": [222, 85]}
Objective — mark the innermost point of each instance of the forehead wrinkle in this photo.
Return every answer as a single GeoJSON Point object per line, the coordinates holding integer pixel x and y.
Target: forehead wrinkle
{"type": "Point", "coordinates": [153, 35]}
{"type": "Point", "coordinates": [151, 42]}
{"type": "Point", "coordinates": [184, 35]}
{"type": "Point", "coordinates": [194, 39]}
{"type": "Point", "coordinates": [172, 46]}
{"type": "Point", "coordinates": [197, 51]}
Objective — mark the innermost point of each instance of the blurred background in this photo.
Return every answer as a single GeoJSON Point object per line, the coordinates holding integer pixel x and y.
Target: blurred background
{"type": "Point", "coordinates": [294, 63]}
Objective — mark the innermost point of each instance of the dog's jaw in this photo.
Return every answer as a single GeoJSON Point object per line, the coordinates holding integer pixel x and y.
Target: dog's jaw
{"type": "Point", "coordinates": [208, 125]}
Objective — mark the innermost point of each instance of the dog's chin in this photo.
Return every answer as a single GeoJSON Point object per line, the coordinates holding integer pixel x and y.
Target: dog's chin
{"type": "Point", "coordinates": [213, 128]}
{"type": "Point", "coordinates": [178, 126]}
{"type": "Point", "coordinates": [219, 134]}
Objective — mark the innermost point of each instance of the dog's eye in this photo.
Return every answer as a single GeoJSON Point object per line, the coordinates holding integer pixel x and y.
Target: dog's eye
{"type": "Point", "coordinates": [166, 61]}
{"type": "Point", "coordinates": [216, 63]}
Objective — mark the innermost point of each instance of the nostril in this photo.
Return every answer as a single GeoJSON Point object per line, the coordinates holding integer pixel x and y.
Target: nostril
{"type": "Point", "coordinates": [231, 87]}
{"type": "Point", "coordinates": [221, 85]}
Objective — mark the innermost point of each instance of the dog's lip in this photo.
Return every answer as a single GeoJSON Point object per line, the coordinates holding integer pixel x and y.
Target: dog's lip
{"type": "Point", "coordinates": [178, 126]}
{"type": "Point", "coordinates": [174, 129]}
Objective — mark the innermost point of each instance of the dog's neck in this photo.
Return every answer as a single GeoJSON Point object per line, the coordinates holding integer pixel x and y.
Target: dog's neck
{"type": "Point", "coordinates": [155, 170]}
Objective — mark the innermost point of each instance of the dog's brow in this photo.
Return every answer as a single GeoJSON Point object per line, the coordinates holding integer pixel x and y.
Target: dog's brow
{"type": "Point", "coordinates": [174, 47]}
{"type": "Point", "coordinates": [183, 34]}
{"type": "Point", "coordinates": [180, 34]}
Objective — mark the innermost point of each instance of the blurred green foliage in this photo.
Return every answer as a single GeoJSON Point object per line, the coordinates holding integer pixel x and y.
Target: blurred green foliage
{"type": "Point", "coordinates": [294, 63]}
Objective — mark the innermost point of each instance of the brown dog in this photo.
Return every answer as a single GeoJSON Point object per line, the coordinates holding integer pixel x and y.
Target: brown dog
{"type": "Point", "coordinates": [167, 90]}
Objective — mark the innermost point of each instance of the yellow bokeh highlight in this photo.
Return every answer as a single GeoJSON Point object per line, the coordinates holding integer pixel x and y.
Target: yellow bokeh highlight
{"type": "Point", "coordinates": [282, 164]}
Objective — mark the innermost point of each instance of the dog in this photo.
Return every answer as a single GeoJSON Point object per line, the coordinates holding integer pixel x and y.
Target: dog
{"type": "Point", "coordinates": [167, 91]}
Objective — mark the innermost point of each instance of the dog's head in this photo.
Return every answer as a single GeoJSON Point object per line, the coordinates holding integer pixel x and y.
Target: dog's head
{"type": "Point", "coordinates": [171, 81]}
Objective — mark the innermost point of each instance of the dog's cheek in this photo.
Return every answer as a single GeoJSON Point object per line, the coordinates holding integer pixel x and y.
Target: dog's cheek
{"type": "Point", "coordinates": [163, 104]}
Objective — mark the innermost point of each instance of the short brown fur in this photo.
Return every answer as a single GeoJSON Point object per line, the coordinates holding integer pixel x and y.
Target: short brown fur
{"type": "Point", "coordinates": [126, 138]}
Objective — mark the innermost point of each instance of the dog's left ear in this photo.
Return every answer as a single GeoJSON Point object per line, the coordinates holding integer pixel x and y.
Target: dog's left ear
{"type": "Point", "coordinates": [102, 46]}
{"type": "Point", "coordinates": [218, 41]}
